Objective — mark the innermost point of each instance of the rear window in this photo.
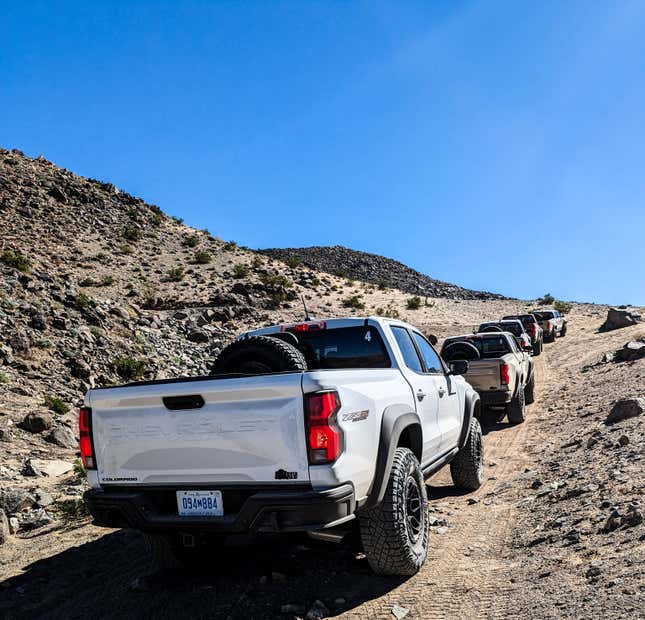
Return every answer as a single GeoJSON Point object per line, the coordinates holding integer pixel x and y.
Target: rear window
{"type": "Point", "coordinates": [489, 347]}
{"type": "Point", "coordinates": [525, 318]}
{"type": "Point", "coordinates": [507, 326]}
{"type": "Point", "coordinates": [345, 347]}
{"type": "Point", "coordinates": [543, 316]}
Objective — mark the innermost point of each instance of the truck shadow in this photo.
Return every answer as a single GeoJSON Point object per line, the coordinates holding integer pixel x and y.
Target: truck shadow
{"type": "Point", "coordinates": [110, 577]}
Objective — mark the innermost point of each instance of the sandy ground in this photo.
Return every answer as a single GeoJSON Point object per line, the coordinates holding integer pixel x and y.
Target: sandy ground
{"type": "Point", "coordinates": [482, 562]}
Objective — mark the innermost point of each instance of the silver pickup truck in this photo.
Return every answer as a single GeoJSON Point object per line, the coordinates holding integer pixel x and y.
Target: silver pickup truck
{"type": "Point", "coordinates": [308, 427]}
{"type": "Point", "coordinates": [500, 371]}
{"type": "Point", "coordinates": [552, 322]}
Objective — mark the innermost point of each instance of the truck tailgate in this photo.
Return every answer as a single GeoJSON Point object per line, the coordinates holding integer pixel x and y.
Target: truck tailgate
{"type": "Point", "coordinates": [484, 374]}
{"type": "Point", "coordinates": [247, 430]}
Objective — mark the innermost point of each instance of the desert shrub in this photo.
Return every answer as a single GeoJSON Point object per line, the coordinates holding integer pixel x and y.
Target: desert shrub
{"type": "Point", "coordinates": [55, 404]}
{"type": "Point", "coordinates": [292, 261]}
{"type": "Point", "coordinates": [316, 281]}
{"type": "Point", "coordinates": [341, 273]}
{"type": "Point", "coordinates": [353, 301]}
{"type": "Point", "coordinates": [414, 303]}
{"type": "Point", "coordinates": [126, 249]}
{"type": "Point", "coordinates": [71, 509]}
{"type": "Point", "coordinates": [83, 301]}
{"type": "Point", "coordinates": [4, 377]}
{"type": "Point", "coordinates": [131, 232]}
{"type": "Point", "coordinates": [276, 280]}
{"type": "Point", "coordinates": [230, 246]}
{"type": "Point", "coordinates": [546, 300]}
{"type": "Point", "coordinates": [179, 220]}
{"type": "Point", "coordinates": [202, 257]}
{"type": "Point", "coordinates": [79, 469]}
{"type": "Point", "coordinates": [128, 368]}
{"type": "Point", "coordinates": [107, 280]}
{"type": "Point", "coordinates": [256, 263]}
{"type": "Point", "coordinates": [383, 285]}
{"type": "Point", "coordinates": [191, 241]}
{"type": "Point", "coordinates": [16, 260]}
{"type": "Point", "coordinates": [157, 215]}
{"type": "Point", "coordinates": [176, 274]}
{"type": "Point", "coordinates": [241, 270]}
{"type": "Point", "coordinates": [562, 306]}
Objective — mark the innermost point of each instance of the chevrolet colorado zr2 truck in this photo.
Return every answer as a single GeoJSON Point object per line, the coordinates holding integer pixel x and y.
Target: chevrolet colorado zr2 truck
{"type": "Point", "coordinates": [502, 373]}
{"type": "Point", "coordinates": [301, 427]}
{"type": "Point", "coordinates": [533, 329]}
{"type": "Point", "coordinates": [552, 322]}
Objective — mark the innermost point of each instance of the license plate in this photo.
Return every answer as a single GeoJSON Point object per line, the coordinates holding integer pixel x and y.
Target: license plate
{"type": "Point", "coordinates": [200, 503]}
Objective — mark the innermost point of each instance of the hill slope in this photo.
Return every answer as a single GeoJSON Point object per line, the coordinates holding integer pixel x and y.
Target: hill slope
{"type": "Point", "coordinates": [374, 268]}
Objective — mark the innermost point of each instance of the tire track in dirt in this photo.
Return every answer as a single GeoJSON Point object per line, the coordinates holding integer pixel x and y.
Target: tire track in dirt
{"type": "Point", "coordinates": [466, 574]}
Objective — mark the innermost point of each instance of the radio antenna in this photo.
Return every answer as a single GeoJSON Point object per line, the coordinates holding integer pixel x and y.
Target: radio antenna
{"type": "Point", "coordinates": [307, 317]}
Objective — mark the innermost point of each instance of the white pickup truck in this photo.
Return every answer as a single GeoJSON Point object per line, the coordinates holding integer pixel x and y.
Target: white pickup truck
{"type": "Point", "coordinates": [301, 427]}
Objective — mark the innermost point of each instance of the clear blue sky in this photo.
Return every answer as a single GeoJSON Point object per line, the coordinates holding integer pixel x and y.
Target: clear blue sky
{"type": "Point", "coordinates": [417, 130]}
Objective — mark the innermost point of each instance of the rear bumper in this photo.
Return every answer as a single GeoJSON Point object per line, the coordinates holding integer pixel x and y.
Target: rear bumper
{"type": "Point", "coordinates": [495, 397]}
{"type": "Point", "coordinates": [253, 510]}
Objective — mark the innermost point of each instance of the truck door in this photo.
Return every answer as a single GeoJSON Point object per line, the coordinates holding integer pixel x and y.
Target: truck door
{"type": "Point", "coordinates": [425, 391]}
{"type": "Point", "coordinates": [449, 413]}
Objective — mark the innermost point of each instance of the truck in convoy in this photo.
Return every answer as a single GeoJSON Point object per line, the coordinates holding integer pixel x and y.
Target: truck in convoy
{"type": "Point", "coordinates": [533, 329]}
{"type": "Point", "coordinates": [501, 372]}
{"type": "Point", "coordinates": [310, 427]}
{"type": "Point", "coordinates": [552, 322]}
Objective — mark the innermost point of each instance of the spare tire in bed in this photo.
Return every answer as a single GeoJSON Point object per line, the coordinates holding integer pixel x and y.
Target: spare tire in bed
{"type": "Point", "coordinates": [258, 355]}
{"type": "Point", "coordinates": [460, 351]}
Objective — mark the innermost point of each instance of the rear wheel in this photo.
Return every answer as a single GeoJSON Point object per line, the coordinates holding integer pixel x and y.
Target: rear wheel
{"type": "Point", "coordinates": [537, 348]}
{"type": "Point", "coordinates": [395, 533]}
{"type": "Point", "coordinates": [516, 408]}
{"type": "Point", "coordinates": [467, 468]}
{"type": "Point", "coordinates": [563, 331]}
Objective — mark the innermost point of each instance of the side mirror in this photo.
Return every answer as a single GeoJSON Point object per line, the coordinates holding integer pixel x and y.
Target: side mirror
{"type": "Point", "coordinates": [458, 367]}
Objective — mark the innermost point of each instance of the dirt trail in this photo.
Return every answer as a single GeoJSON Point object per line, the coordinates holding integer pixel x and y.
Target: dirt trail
{"type": "Point", "coordinates": [75, 572]}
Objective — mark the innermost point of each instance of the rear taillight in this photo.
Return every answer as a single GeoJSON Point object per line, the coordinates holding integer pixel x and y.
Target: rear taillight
{"type": "Point", "coordinates": [505, 373]}
{"type": "Point", "coordinates": [535, 330]}
{"type": "Point", "coordinates": [325, 438]}
{"type": "Point", "coordinates": [309, 326]}
{"type": "Point", "coordinates": [85, 436]}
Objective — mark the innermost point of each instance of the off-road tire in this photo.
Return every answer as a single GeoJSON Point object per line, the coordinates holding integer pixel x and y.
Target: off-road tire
{"type": "Point", "coordinates": [529, 391]}
{"type": "Point", "coordinates": [460, 351]}
{"type": "Point", "coordinates": [259, 355]}
{"type": "Point", "coordinates": [550, 337]}
{"type": "Point", "coordinates": [537, 348]}
{"type": "Point", "coordinates": [516, 408]}
{"type": "Point", "coordinates": [467, 468]}
{"type": "Point", "coordinates": [395, 532]}
{"type": "Point", "coordinates": [563, 331]}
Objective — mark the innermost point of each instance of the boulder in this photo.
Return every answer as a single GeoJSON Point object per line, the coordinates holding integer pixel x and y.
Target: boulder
{"type": "Point", "coordinates": [617, 318]}
{"type": "Point", "coordinates": [15, 499]}
{"type": "Point", "coordinates": [52, 468]}
{"type": "Point", "coordinates": [633, 350]}
{"type": "Point", "coordinates": [37, 422]}
{"type": "Point", "coordinates": [62, 436]}
{"type": "Point", "coordinates": [198, 335]}
{"type": "Point", "coordinates": [624, 409]}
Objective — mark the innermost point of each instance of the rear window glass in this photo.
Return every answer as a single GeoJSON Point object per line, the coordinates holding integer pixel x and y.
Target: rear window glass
{"type": "Point", "coordinates": [345, 347]}
{"type": "Point", "coordinates": [525, 318]}
{"type": "Point", "coordinates": [543, 316]}
{"type": "Point", "coordinates": [488, 346]}
{"type": "Point", "coordinates": [506, 326]}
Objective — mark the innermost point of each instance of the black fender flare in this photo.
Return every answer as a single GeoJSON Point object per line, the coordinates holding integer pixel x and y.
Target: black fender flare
{"type": "Point", "coordinates": [396, 418]}
{"type": "Point", "coordinates": [472, 409]}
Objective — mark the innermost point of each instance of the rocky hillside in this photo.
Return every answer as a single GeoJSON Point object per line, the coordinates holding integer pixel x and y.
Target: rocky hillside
{"type": "Point", "coordinates": [379, 270]}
